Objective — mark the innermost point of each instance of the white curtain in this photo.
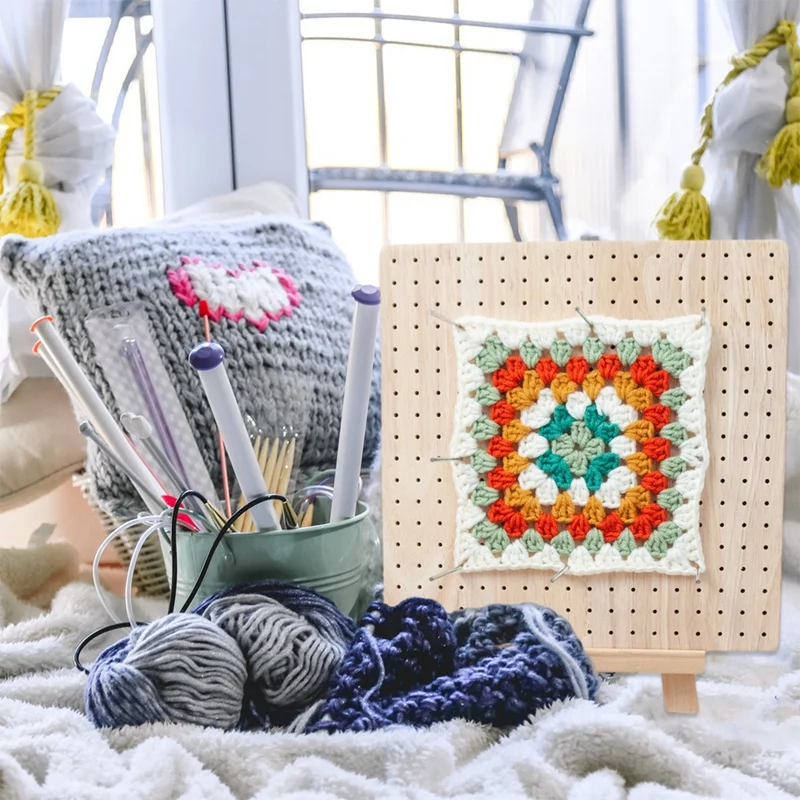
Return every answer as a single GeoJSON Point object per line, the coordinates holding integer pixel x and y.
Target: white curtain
{"type": "Point", "coordinates": [73, 145]}
{"type": "Point", "coordinates": [747, 115]}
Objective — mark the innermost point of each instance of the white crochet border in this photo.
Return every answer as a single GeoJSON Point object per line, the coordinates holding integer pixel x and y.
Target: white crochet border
{"type": "Point", "coordinates": [685, 557]}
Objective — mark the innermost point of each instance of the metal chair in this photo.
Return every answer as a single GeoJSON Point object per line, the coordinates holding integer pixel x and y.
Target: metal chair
{"type": "Point", "coordinates": [538, 97]}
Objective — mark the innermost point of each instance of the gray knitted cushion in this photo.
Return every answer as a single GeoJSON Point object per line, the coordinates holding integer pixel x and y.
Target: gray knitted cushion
{"type": "Point", "coordinates": [70, 275]}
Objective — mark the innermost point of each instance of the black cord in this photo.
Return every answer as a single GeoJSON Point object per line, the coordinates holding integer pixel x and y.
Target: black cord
{"type": "Point", "coordinates": [174, 542]}
{"type": "Point", "coordinates": [76, 656]}
{"type": "Point", "coordinates": [222, 531]}
{"type": "Point", "coordinates": [174, 564]}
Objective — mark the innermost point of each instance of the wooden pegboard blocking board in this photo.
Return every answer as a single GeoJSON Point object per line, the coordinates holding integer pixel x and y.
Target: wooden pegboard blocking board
{"type": "Point", "coordinates": [742, 285]}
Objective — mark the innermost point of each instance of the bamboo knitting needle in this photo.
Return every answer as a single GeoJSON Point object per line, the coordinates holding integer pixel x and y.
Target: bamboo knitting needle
{"type": "Point", "coordinates": [308, 517]}
{"type": "Point", "coordinates": [245, 520]}
{"type": "Point", "coordinates": [282, 477]}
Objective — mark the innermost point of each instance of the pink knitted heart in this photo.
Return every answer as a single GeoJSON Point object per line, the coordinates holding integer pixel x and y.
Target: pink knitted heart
{"type": "Point", "coordinates": [258, 292]}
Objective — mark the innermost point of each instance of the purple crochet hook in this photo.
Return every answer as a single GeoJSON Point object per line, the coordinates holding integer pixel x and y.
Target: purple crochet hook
{"type": "Point", "coordinates": [155, 411]}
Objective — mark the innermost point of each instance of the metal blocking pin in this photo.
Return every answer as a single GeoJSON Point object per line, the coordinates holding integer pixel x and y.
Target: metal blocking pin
{"type": "Point", "coordinates": [558, 574]}
{"type": "Point", "coordinates": [446, 319]}
{"type": "Point", "coordinates": [446, 572]}
{"type": "Point", "coordinates": [584, 318]}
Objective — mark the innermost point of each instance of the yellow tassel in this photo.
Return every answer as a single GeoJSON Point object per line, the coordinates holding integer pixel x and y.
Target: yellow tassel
{"type": "Point", "coordinates": [686, 215]}
{"type": "Point", "coordinates": [29, 208]}
{"type": "Point", "coordinates": [781, 161]}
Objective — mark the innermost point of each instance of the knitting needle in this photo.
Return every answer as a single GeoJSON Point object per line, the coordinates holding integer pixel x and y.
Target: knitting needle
{"type": "Point", "coordinates": [282, 477]}
{"type": "Point", "coordinates": [151, 499]}
{"type": "Point", "coordinates": [202, 309]}
{"type": "Point", "coordinates": [245, 520]}
{"type": "Point", "coordinates": [208, 359]}
{"type": "Point", "coordinates": [356, 402]}
{"type": "Point", "coordinates": [147, 391]}
{"type": "Point", "coordinates": [95, 408]}
{"type": "Point", "coordinates": [41, 350]}
{"type": "Point", "coordinates": [308, 517]}
{"type": "Point", "coordinates": [273, 470]}
{"type": "Point", "coordinates": [136, 425]}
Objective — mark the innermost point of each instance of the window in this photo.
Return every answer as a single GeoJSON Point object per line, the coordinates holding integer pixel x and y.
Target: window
{"type": "Point", "coordinates": [108, 54]}
{"type": "Point", "coordinates": [630, 119]}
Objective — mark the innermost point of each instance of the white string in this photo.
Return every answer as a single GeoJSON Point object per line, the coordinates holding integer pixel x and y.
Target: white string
{"type": "Point", "coordinates": [132, 568]}
{"type": "Point", "coordinates": [536, 624]}
{"type": "Point", "coordinates": [101, 592]}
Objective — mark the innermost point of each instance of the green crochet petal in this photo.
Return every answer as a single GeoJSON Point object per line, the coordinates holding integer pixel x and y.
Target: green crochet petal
{"type": "Point", "coordinates": [493, 355]}
{"type": "Point", "coordinates": [560, 351]}
{"type": "Point", "coordinates": [482, 462]}
{"type": "Point", "coordinates": [593, 348]}
{"type": "Point", "coordinates": [563, 544]}
{"type": "Point", "coordinates": [484, 429]}
{"type": "Point", "coordinates": [484, 495]}
{"type": "Point", "coordinates": [670, 358]}
{"type": "Point", "coordinates": [487, 395]}
{"type": "Point", "coordinates": [530, 354]}
{"type": "Point", "coordinates": [675, 432]}
{"type": "Point", "coordinates": [493, 536]}
{"type": "Point", "coordinates": [628, 350]}
{"type": "Point", "coordinates": [670, 499]}
{"type": "Point", "coordinates": [670, 531]}
{"type": "Point", "coordinates": [532, 540]}
{"type": "Point", "coordinates": [657, 545]}
{"type": "Point", "coordinates": [672, 467]}
{"type": "Point", "coordinates": [593, 541]}
{"type": "Point", "coordinates": [626, 544]}
{"type": "Point", "coordinates": [673, 398]}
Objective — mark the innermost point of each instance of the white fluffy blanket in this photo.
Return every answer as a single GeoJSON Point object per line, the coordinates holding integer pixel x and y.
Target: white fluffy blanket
{"type": "Point", "coordinates": [745, 743]}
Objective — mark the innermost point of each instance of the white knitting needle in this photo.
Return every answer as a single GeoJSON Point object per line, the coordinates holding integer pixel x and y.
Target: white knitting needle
{"type": "Point", "coordinates": [356, 402]}
{"type": "Point", "coordinates": [40, 349]}
{"type": "Point", "coordinates": [90, 400]}
{"type": "Point", "coordinates": [207, 358]}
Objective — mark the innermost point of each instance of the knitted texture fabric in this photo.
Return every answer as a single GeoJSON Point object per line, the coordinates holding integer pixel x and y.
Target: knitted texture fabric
{"type": "Point", "coordinates": [580, 446]}
{"type": "Point", "coordinates": [414, 664]}
{"type": "Point", "coordinates": [278, 291]}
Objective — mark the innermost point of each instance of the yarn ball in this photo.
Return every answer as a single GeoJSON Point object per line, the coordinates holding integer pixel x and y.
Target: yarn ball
{"type": "Point", "coordinates": [291, 641]}
{"type": "Point", "coordinates": [414, 665]}
{"type": "Point", "coordinates": [252, 656]}
{"type": "Point", "coordinates": [180, 668]}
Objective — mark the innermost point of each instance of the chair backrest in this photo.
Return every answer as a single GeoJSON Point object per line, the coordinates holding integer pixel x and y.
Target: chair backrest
{"type": "Point", "coordinates": [545, 66]}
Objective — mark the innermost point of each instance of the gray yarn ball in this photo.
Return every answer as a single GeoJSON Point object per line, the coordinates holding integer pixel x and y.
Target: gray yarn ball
{"type": "Point", "coordinates": [180, 668]}
{"type": "Point", "coordinates": [289, 659]}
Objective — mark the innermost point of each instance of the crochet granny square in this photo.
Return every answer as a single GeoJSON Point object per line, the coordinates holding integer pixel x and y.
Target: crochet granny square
{"type": "Point", "coordinates": [580, 446]}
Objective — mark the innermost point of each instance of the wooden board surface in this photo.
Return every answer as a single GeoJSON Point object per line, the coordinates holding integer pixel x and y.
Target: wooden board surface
{"type": "Point", "coordinates": [742, 285]}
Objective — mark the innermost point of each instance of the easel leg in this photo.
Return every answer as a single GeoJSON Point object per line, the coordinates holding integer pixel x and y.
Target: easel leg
{"type": "Point", "coordinates": [680, 694]}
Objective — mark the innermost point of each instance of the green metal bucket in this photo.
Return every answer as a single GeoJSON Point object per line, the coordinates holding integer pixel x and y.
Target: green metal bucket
{"type": "Point", "coordinates": [327, 557]}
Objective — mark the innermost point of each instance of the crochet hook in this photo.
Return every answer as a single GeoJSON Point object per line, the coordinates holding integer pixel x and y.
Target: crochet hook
{"type": "Point", "coordinates": [207, 358]}
{"type": "Point", "coordinates": [356, 402]}
{"type": "Point", "coordinates": [147, 391]}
